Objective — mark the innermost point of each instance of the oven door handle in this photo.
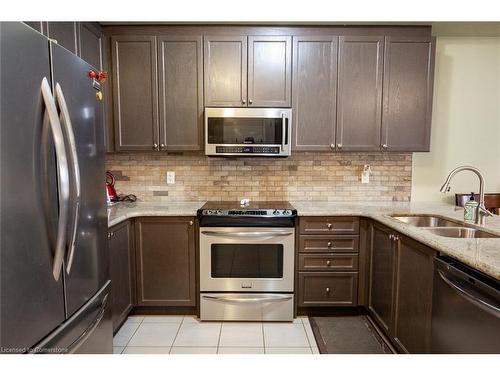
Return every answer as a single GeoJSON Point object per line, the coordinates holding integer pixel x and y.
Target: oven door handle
{"type": "Point", "coordinates": [245, 234]}
{"type": "Point", "coordinates": [248, 299]}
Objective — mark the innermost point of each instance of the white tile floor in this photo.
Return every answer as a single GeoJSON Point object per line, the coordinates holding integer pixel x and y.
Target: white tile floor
{"type": "Point", "coordinates": [187, 335]}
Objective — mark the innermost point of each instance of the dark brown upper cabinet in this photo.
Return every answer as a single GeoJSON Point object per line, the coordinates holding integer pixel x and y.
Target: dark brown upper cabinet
{"type": "Point", "coordinates": [241, 71]}
{"type": "Point", "coordinates": [413, 295]}
{"type": "Point", "coordinates": [407, 93]}
{"type": "Point", "coordinates": [135, 92]}
{"type": "Point", "coordinates": [165, 255]}
{"type": "Point", "coordinates": [359, 98]}
{"type": "Point", "coordinates": [65, 33]}
{"type": "Point", "coordinates": [37, 25]}
{"type": "Point", "coordinates": [90, 44]}
{"type": "Point", "coordinates": [181, 92]}
{"type": "Point", "coordinates": [122, 271]}
{"type": "Point", "coordinates": [225, 71]}
{"type": "Point", "coordinates": [381, 283]}
{"type": "Point", "coordinates": [314, 92]}
{"type": "Point", "coordinates": [269, 71]}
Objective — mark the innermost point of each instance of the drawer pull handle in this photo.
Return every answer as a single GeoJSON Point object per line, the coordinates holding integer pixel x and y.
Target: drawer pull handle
{"type": "Point", "coordinates": [328, 263]}
{"type": "Point", "coordinates": [329, 244]}
{"type": "Point", "coordinates": [329, 226]}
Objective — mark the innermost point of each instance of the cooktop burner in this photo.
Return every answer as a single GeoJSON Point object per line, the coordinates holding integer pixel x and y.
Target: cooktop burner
{"type": "Point", "coordinates": [253, 214]}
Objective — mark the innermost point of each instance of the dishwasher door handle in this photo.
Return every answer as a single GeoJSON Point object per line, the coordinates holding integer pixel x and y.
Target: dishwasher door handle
{"type": "Point", "coordinates": [470, 295]}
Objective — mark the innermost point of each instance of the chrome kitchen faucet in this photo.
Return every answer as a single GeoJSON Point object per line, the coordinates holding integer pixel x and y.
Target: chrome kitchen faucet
{"type": "Point", "coordinates": [481, 212]}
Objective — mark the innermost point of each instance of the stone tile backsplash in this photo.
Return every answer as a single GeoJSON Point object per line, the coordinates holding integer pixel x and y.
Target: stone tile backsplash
{"type": "Point", "coordinates": [303, 176]}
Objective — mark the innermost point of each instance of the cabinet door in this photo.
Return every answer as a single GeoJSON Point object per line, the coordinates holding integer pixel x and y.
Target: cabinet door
{"type": "Point", "coordinates": [122, 271]}
{"type": "Point", "coordinates": [90, 44]}
{"type": "Point", "coordinates": [413, 302]}
{"type": "Point", "coordinates": [225, 68]}
{"type": "Point", "coordinates": [408, 85]}
{"type": "Point", "coordinates": [359, 97]}
{"type": "Point", "coordinates": [66, 34]}
{"type": "Point", "coordinates": [269, 71]}
{"type": "Point", "coordinates": [314, 92]}
{"type": "Point", "coordinates": [166, 261]}
{"type": "Point", "coordinates": [135, 92]}
{"type": "Point", "coordinates": [381, 277]}
{"type": "Point", "coordinates": [38, 26]}
{"type": "Point", "coordinates": [181, 96]}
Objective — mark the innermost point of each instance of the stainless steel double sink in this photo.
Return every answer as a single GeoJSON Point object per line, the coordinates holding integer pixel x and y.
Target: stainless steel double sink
{"type": "Point", "coordinates": [444, 227]}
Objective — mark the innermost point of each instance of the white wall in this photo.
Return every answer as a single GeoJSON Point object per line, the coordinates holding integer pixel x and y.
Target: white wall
{"type": "Point", "coordinates": [465, 120]}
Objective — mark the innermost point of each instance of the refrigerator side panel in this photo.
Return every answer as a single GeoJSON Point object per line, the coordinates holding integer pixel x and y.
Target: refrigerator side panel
{"type": "Point", "coordinates": [32, 301]}
{"type": "Point", "coordinates": [89, 269]}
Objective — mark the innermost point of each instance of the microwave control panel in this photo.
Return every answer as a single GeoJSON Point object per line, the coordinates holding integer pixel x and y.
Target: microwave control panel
{"type": "Point", "coordinates": [247, 149]}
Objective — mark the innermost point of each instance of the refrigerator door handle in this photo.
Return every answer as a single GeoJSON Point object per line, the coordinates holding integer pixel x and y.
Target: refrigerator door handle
{"type": "Point", "coordinates": [66, 122]}
{"type": "Point", "coordinates": [51, 117]}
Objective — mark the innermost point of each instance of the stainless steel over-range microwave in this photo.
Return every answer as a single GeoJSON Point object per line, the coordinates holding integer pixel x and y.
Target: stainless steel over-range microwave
{"type": "Point", "coordinates": [248, 131]}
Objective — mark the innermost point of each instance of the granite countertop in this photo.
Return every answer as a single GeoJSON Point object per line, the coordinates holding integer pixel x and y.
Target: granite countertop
{"type": "Point", "coordinates": [123, 211]}
{"type": "Point", "coordinates": [480, 253]}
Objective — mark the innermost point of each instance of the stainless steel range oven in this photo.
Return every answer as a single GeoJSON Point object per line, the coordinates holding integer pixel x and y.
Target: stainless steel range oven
{"type": "Point", "coordinates": [247, 262]}
{"type": "Point", "coordinates": [248, 131]}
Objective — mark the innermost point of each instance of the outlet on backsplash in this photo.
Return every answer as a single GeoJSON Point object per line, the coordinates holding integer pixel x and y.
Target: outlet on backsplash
{"type": "Point", "coordinates": [170, 178]}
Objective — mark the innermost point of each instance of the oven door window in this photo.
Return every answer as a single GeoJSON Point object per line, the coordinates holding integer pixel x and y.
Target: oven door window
{"type": "Point", "coordinates": [252, 261]}
{"type": "Point", "coordinates": [242, 130]}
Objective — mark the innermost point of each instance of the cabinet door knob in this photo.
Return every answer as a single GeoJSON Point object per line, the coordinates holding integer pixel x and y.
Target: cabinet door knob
{"type": "Point", "coordinates": [339, 145]}
{"type": "Point", "coordinates": [329, 244]}
{"type": "Point", "coordinates": [327, 290]}
{"type": "Point", "coordinates": [250, 101]}
{"type": "Point", "coordinates": [384, 146]}
{"type": "Point", "coordinates": [396, 238]}
{"type": "Point", "coordinates": [391, 237]}
{"type": "Point", "coordinates": [162, 145]}
{"type": "Point", "coordinates": [243, 101]}
{"type": "Point", "coordinates": [328, 263]}
{"type": "Point", "coordinates": [191, 222]}
{"type": "Point", "coordinates": [109, 235]}
{"type": "Point", "coordinates": [329, 226]}
{"type": "Point", "coordinates": [155, 146]}
{"type": "Point", "coordinates": [332, 146]}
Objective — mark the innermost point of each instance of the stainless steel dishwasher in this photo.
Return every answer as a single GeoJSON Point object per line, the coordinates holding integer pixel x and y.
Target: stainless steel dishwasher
{"type": "Point", "coordinates": [465, 311]}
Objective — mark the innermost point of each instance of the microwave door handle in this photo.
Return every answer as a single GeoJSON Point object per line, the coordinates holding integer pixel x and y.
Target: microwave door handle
{"type": "Point", "coordinates": [283, 132]}
{"type": "Point", "coordinates": [51, 118]}
{"type": "Point", "coordinates": [66, 121]}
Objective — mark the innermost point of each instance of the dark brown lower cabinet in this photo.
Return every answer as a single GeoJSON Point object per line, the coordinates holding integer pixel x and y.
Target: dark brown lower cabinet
{"type": "Point", "coordinates": [413, 295]}
{"type": "Point", "coordinates": [400, 288]}
{"type": "Point", "coordinates": [328, 289]}
{"type": "Point", "coordinates": [122, 271]}
{"type": "Point", "coordinates": [381, 276]}
{"type": "Point", "coordinates": [166, 267]}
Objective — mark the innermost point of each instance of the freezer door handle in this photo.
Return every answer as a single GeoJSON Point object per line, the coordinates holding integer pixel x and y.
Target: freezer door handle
{"type": "Point", "coordinates": [91, 328]}
{"type": "Point", "coordinates": [470, 295]}
{"type": "Point", "coordinates": [51, 118]}
{"type": "Point", "coordinates": [75, 172]}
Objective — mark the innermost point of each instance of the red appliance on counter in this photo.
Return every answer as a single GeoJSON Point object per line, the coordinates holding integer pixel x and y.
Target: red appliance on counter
{"type": "Point", "coordinates": [110, 187]}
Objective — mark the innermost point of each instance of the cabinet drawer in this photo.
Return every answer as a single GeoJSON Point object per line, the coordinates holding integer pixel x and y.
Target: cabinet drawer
{"type": "Point", "coordinates": [328, 288]}
{"type": "Point", "coordinates": [328, 262]}
{"type": "Point", "coordinates": [329, 244]}
{"type": "Point", "coordinates": [325, 225]}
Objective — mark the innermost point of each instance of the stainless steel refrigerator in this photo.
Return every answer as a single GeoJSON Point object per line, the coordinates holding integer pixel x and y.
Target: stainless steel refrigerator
{"type": "Point", "coordinates": [55, 288]}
